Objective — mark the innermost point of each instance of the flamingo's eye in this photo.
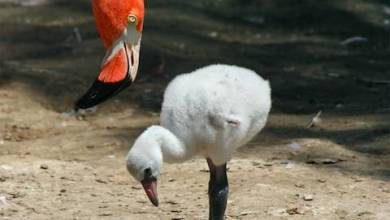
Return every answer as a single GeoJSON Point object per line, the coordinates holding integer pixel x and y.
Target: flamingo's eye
{"type": "Point", "coordinates": [132, 19]}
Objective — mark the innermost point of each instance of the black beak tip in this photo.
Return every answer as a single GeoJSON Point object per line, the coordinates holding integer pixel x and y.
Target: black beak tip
{"type": "Point", "coordinates": [100, 92]}
{"type": "Point", "coordinates": [86, 101]}
{"type": "Point", "coordinates": [156, 203]}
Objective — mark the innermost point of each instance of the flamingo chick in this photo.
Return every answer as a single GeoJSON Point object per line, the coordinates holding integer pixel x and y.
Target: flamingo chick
{"type": "Point", "coordinates": [210, 112]}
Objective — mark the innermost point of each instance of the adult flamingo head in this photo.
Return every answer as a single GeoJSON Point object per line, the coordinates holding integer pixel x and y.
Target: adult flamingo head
{"type": "Point", "coordinates": [120, 25]}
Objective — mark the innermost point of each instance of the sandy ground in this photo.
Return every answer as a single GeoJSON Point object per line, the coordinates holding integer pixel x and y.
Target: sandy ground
{"type": "Point", "coordinates": [57, 165]}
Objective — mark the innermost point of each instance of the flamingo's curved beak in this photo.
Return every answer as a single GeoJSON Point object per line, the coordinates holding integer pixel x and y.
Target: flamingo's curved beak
{"type": "Point", "coordinates": [118, 71]}
{"type": "Point", "coordinates": [150, 187]}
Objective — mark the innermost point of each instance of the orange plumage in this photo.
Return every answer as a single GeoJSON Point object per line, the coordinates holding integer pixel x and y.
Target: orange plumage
{"type": "Point", "coordinates": [114, 70]}
{"type": "Point", "coordinates": [111, 17]}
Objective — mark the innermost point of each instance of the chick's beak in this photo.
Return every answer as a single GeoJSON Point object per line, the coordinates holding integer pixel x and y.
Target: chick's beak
{"type": "Point", "coordinates": [150, 187]}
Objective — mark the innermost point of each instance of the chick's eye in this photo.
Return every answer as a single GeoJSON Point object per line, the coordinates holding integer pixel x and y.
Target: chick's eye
{"type": "Point", "coordinates": [148, 171]}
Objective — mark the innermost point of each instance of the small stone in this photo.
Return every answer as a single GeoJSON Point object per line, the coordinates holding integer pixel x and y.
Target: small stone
{"type": "Point", "coordinates": [295, 146]}
{"type": "Point", "coordinates": [106, 214]}
{"type": "Point", "coordinates": [330, 161]}
{"type": "Point", "coordinates": [90, 147]}
{"type": "Point", "coordinates": [101, 181]}
{"type": "Point", "coordinates": [290, 165]}
{"type": "Point", "coordinates": [213, 34]}
{"type": "Point", "coordinates": [341, 213]}
{"type": "Point", "coordinates": [63, 190]}
{"type": "Point", "coordinates": [277, 212]}
{"type": "Point", "coordinates": [294, 211]}
{"type": "Point", "coordinates": [322, 180]}
{"type": "Point", "coordinates": [308, 197]}
{"type": "Point", "coordinates": [245, 213]}
{"type": "Point", "coordinates": [323, 161]}
{"type": "Point", "coordinates": [80, 117]}
{"type": "Point", "coordinates": [356, 179]}
{"type": "Point", "coordinates": [17, 195]}
{"type": "Point", "coordinates": [44, 166]}
{"type": "Point", "coordinates": [172, 202]}
{"type": "Point", "coordinates": [385, 190]}
{"type": "Point", "coordinates": [364, 213]}
{"type": "Point", "coordinates": [299, 185]}
{"type": "Point", "coordinates": [8, 137]}
{"type": "Point", "coordinates": [2, 179]}
{"type": "Point", "coordinates": [256, 164]}
{"type": "Point", "coordinates": [136, 187]}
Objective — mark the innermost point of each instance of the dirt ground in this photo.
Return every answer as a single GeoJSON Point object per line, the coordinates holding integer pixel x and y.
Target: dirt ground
{"type": "Point", "coordinates": [329, 56]}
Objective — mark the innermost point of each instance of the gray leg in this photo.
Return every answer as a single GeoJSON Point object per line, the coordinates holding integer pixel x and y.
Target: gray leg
{"type": "Point", "coordinates": [218, 191]}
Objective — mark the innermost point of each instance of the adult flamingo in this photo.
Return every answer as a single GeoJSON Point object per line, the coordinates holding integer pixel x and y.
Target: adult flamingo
{"type": "Point", "coordinates": [120, 25]}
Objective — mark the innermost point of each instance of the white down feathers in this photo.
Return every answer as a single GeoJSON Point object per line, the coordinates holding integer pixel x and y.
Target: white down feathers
{"type": "Point", "coordinates": [216, 109]}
